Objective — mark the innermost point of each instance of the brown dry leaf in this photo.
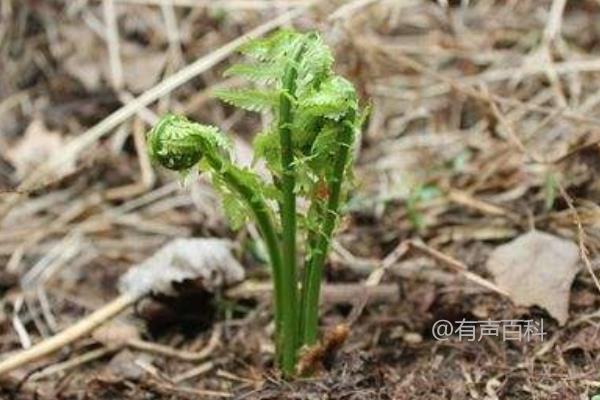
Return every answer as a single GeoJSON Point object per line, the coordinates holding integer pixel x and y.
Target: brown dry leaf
{"type": "Point", "coordinates": [141, 68]}
{"type": "Point", "coordinates": [115, 334]}
{"type": "Point", "coordinates": [537, 269]}
{"type": "Point", "coordinates": [587, 339]}
{"type": "Point", "coordinates": [83, 54]}
{"type": "Point", "coordinates": [125, 365]}
{"type": "Point", "coordinates": [87, 61]}
{"type": "Point", "coordinates": [36, 146]}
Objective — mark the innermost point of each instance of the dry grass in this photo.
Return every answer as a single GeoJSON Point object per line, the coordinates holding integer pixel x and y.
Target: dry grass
{"type": "Point", "coordinates": [485, 124]}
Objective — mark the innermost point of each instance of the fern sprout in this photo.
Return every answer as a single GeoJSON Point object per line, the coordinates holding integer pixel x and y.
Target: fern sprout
{"type": "Point", "coordinates": [307, 149]}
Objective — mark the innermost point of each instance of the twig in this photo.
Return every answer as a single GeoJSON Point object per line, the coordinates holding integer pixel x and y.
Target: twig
{"type": "Point", "coordinates": [457, 266]}
{"type": "Point", "coordinates": [223, 4]}
{"type": "Point", "coordinates": [333, 293]}
{"type": "Point", "coordinates": [167, 351]}
{"type": "Point", "coordinates": [18, 325]}
{"type": "Point", "coordinates": [374, 279]}
{"type": "Point", "coordinates": [64, 338]}
{"type": "Point", "coordinates": [148, 176]}
{"type": "Point", "coordinates": [347, 10]}
{"type": "Point", "coordinates": [554, 23]}
{"type": "Point", "coordinates": [583, 251]}
{"type": "Point", "coordinates": [466, 199]}
{"type": "Point", "coordinates": [465, 85]}
{"type": "Point", "coordinates": [112, 37]}
{"type": "Point", "coordinates": [199, 370]}
{"type": "Point", "coordinates": [72, 363]}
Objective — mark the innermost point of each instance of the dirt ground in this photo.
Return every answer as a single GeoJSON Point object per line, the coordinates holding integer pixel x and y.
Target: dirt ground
{"type": "Point", "coordinates": [485, 125]}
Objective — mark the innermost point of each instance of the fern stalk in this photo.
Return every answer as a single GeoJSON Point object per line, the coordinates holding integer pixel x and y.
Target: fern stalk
{"type": "Point", "coordinates": [289, 329]}
{"type": "Point", "coordinates": [264, 220]}
{"type": "Point", "coordinates": [313, 275]}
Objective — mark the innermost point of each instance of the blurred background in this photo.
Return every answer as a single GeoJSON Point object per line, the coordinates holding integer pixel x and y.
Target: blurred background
{"type": "Point", "coordinates": [484, 126]}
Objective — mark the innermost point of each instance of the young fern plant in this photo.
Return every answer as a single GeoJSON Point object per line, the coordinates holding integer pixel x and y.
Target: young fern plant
{"type": "Point", "coordinates": [308, 151]}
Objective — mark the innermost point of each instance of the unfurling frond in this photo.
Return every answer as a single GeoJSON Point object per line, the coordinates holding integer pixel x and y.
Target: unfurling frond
{"type": "Point", "coordinates": [249, 99]}
{"type": "Point", "coordinates": [178, 143]}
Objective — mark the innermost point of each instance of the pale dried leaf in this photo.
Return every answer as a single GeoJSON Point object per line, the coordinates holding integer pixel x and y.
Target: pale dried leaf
{"type": "Point", "coordinates": [125, 365]}
{"type": "Point", "coordinates": [115, 334]}
{"type": "Point", "coordinates": [85, 70]}
{"type": "Point", "coordinates": [537, 269]}
{"type": "Point", "coordinates": [141, 68]}
{"type": "Point", "coordinates": [86, 59]}
{"type": "Point", "coordinates": [183, 259]}
{"type": "Point", "coordinates": [84, 54]}
{"type": "Point", "coordinates": [37, 145]}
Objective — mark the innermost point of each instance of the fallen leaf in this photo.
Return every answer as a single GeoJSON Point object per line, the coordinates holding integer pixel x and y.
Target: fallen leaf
{"type": "Point", "coordinates": [141, 68]}
{"type": "Point", "coordinates": [83, 55]}
{"type": "Point", "coordinates": [125, 365]}
{"type": "Point", "coordinates": [208, 260]}
{"type": "Point", "coordinates": [537, 269]}
{"type": "Point", "coordinates": [86, 59]}
{"type": "Point", "coordinates": [115, 334]}
{"type": "Point", "coordinates": [587, 339]}
{"type": "Point", "coordinates": [36, 146]}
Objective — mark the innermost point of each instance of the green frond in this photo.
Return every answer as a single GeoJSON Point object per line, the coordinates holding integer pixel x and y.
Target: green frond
{"type": "Point", "coordinates": [249, 99]}
{"type": "Point", "coordinates": [316, 65]}
{"type": "Point", "coordinates": [236, 211]}
{"type": "Point", "coordinates": [304, 130]}
{"type": "Point", "coordinates": [272, 47]}
{"type": "Point", "coordinates": [335, 98]}
{"type": "Point", "coordinates": [261, 72]}
{"type": "Point", "coordinates": [305, 176]}
{"type": "Point", "coordinates": [324, 149]}
{"type": "Point", "coordinates": [267, 146]}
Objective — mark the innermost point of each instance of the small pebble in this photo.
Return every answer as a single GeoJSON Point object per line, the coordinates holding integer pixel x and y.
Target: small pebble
{"type": "Point", "coordinates": [412, 338]}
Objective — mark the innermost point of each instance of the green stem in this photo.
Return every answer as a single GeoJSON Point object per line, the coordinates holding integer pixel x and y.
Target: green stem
{"type": "Point", "coordinates": [313, 275]}
{"type": "Point", "coordinates": [265, 224]}
{"type": "Point", "coordinates": [289, 331]}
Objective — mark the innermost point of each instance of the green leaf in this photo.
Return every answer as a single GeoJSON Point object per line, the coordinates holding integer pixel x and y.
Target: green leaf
{"type": "Point", "coordinates": [235, 209]}
{"type": "Point", "coordinates": [334, 99]}
{"type": "Point", "coordinates": [305, 129]}
{"type": "Point", "coordinates": [262, 72]}
{"type": "Point", "coordinates": [249, 99]}
{"type": "Point", "coordinates": [267, 146]}
{"type": "Point", "coordinates": [316, 64]}
{"type": "Point", "coordinates": [272, 47]}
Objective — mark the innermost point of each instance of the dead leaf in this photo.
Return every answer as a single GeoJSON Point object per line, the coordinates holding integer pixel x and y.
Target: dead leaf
{"type": "Point", "coordinates": [36, 146]}
{"type": "Point", "coordinates": [537, 269]}
{"type": "Point", "coordinates": [586, 339]}
{"type": "Point", "coordinates": [141, 68]}
{"type": "Point", "coordinates": [83, 54]}
{"type": "Point", "coordinates": [125, 365]}
{"type": "Point", "coordinates": [208, 260]}
{"type": "Point", "coordinates": [86, 59]}
{"type": "Point", "coordinates": [115, 334]}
